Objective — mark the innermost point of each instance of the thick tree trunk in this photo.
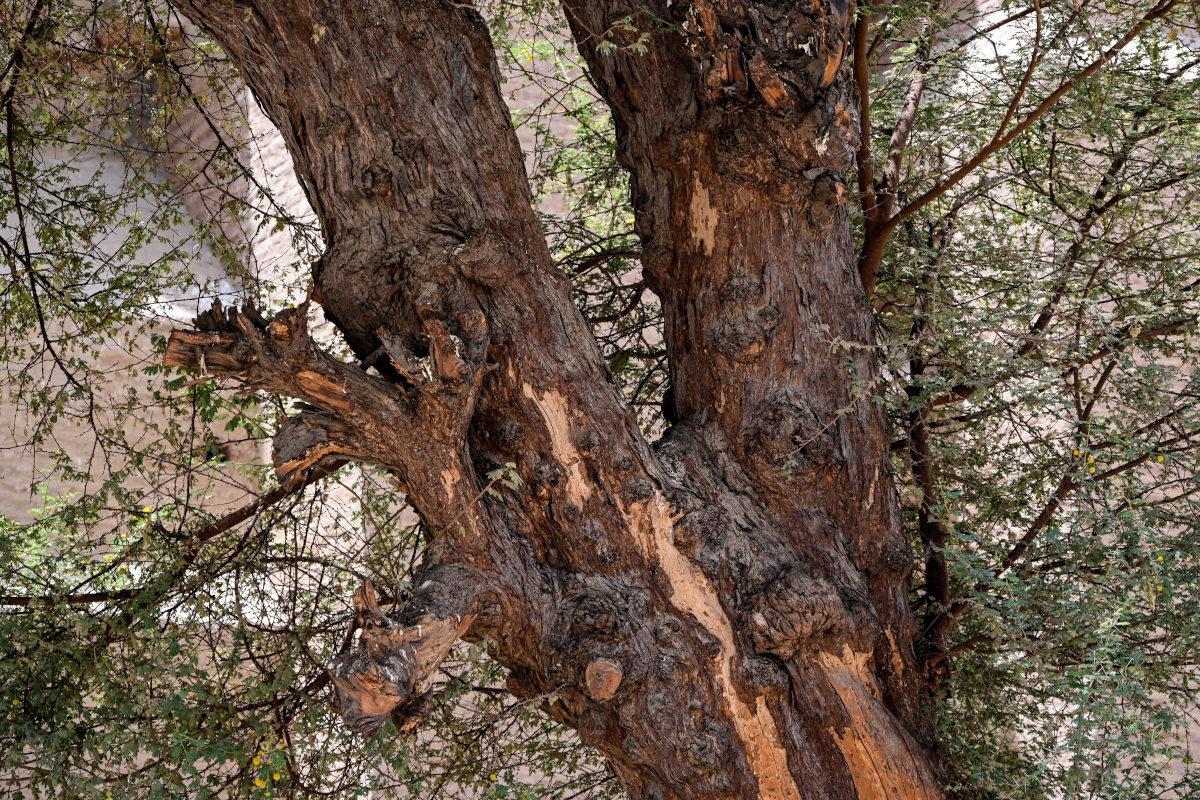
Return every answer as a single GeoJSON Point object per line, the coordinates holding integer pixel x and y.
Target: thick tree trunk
{"type": "Point", "coordinates": [723, 614]}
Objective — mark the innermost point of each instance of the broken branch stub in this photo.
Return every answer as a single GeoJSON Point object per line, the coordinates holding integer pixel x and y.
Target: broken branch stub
{"type": "Point", "coordinates": [602, 678]}
{"type": "Point", "coordinates": [276, 356]}
{"type": "Point", "coordinates": [279, 356]}
{"type": "Point", "coordinates": [351, 414]}
{"type": "Point", "coordinates": [391, 672]}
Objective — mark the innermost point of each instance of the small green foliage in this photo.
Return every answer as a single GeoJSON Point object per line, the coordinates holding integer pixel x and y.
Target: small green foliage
{"type": "Point", "coordinates": [505, 476]}
{"type": "Point", "coordinates": [1039, 323]}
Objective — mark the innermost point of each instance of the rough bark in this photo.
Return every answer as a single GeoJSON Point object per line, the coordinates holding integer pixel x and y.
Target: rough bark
{"type": "Point", "coordinates": [722, 614]}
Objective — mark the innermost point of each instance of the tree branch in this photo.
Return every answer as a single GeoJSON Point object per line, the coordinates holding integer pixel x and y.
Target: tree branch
{"type": "Point", "coordinates": [863, 158]}
{"type": "Point", "coordinates": [348, 414]}
{"type": "Point", "coordinates": [1003, 139]}
{"type": "Point", "coordinates": [193, 538]}
{"type": "Point", "coordinates": [873, 248]}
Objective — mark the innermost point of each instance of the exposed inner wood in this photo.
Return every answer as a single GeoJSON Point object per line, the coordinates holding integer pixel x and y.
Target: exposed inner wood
{"type": "Point", "coordinates": [603, 677]}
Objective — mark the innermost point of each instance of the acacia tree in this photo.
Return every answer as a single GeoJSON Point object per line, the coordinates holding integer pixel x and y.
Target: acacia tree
{"type": "Point", "coordinates": [759, 617]}
{"type": "Point", "coordinates": [731, 609]}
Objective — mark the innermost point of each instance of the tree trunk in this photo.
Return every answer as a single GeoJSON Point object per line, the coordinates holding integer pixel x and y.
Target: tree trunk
{"type": "Point", "coordinates": [722, 614]}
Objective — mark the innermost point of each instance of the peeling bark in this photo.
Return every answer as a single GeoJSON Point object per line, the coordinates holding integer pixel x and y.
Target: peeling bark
{"type": "Point", "coordinates": [722, 614]}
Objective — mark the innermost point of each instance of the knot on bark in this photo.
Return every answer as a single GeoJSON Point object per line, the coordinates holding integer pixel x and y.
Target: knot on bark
{"type": "Point", "coordinates": [599, 608]}
{"type": "Point", "coordinates": [602, 622]}
{"type": "Point", "coordinates": [743, 324]}
{"type": "Point", "coordinates": [486, 259]}
{"type": "Point", "coordinates": [792, 609]}
{"type": "Point", "coordinates": [788, 435]}
{"type": "Point", "coordinates": [700, 535]}
{"type": "Point", "coordinates": [602, 678]}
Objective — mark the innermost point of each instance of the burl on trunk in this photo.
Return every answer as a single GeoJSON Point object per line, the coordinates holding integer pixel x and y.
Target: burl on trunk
{"type": "Point", "coordinates": [722, 612]}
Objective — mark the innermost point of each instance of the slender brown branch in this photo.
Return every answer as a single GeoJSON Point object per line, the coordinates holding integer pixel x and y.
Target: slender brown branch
{"type": "Point", "coordinates": [1097, 208]}
{"type": "Point", "coordinates": [10, 128]}
{"type": "Point", "coordinates": [70, 599]}
{"type": "Point", "coordinates": [1050, 102]}
{"type": "Point", "coordinates": [1137, 462]}
{"type": "Point", "coordinates": [903, 130]}
{"type": "Point", "coordinates": [874, 245]}
{"type": "Point", "coordinates": [879, 202]}
{"type": "Point", "coordinates": [1140, 336]}
{"type": "Point", "coordinates": [1035, 58]}
{"type": "Point", "coordinates": [207, 533]}
{"type": "Point", "coordinates": [1154, 424]}
{"type": "Point", "coordinates": [964, 43]}
{"type": "Point", "coordinates": [194, 538]}
{"type": "Point", "coordinates": [862, 79]}
{"type": "Point", "coordinates": [1066, 485]}
{"type": "Point", "coordinates": [18, 54]}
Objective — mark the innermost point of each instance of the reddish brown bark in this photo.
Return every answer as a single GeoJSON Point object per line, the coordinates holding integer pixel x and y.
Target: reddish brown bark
{"type": "Point", "coordinates": [722, 613]}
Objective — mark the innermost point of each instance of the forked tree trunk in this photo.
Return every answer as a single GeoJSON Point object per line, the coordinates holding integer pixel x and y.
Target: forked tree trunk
{"type": "Point", "coordinates": [722, 614]}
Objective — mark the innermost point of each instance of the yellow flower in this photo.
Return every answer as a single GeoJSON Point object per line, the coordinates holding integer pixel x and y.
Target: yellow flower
{"type": "Point", "coordinates": [1160, 458]}
{"type": "Point", "coordinates": [260, 783]}
{"type": "Point", "coordinates": [1160, 558]}
{"type": "Point", "coordinates": [256, 761]}
{"type": "Point", "coordinates": [492, 777]}
{"type": "Point", "coordinates": [1091, 460]}
{"type": "Point", "coordinates": [276, 776]}
{"type": "Point", "coordinates": [146, 509]}
{"type": "Point", "coordinates": [1159, 587]}
{"type": "Point", "coordinates": [1076, 452]}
